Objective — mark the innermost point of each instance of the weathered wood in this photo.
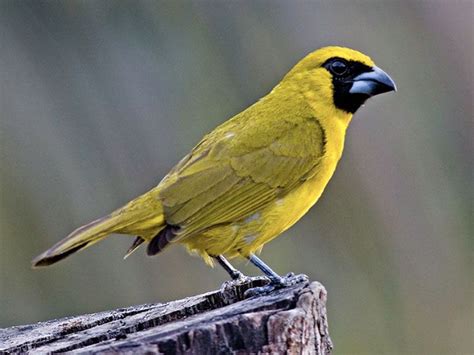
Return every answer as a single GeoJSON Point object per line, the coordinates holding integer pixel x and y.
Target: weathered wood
{"type": "Point", "coordinates": [290, 320]}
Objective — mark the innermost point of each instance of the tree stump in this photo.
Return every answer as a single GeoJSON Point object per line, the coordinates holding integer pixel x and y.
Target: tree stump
{"type": "Point", "coordinates": [290, 320]}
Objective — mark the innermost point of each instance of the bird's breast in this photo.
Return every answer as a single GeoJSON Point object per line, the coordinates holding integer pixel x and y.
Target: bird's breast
{"type": "Point", "coordinates": [285, 211]}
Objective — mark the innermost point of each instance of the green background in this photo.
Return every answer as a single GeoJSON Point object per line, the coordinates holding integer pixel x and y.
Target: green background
{"type": "Point", "coordinates": [99, 99]}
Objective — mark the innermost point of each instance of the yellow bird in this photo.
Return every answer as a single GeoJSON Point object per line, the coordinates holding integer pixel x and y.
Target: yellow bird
{"type": "Point", "coordinates": [253, 176]}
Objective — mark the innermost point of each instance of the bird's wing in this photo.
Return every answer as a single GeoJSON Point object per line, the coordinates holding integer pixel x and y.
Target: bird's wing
{"type": "Point", "coordinates": [229, 178]}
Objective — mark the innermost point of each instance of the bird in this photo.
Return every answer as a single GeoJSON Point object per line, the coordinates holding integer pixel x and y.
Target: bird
{"type": "Point", "coordinates": [252, 177]}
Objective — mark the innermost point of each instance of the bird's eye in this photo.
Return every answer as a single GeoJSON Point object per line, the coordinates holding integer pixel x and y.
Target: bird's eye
{"type": "Point", "coordinates": [338, 67]}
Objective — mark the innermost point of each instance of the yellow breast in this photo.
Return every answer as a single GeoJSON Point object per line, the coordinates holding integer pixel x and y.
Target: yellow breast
{"type": "Point", "coordinates": [285, 212]}
{"type": "Point", "coordinates": [248, 236]}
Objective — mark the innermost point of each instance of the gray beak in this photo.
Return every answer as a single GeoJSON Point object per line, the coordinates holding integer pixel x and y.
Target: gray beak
{"type": "Point", "coordinates": [372, 83]}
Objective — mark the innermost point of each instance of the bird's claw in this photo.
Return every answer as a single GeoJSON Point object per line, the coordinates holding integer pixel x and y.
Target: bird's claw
{"type": "Point", "coordinates": [277, 283]}
{"type": "Point", "coordinates": [291, 279]}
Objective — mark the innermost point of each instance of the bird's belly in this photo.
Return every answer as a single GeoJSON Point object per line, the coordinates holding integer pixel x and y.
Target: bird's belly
{"type": "Point", "coordinates": [249, 235]}
{"type": "Point", "coordinates": [286, 211]}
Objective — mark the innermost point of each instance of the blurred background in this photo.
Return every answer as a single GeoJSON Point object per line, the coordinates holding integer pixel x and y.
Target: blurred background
{"type": "Point", "coordinates": [98, 100]}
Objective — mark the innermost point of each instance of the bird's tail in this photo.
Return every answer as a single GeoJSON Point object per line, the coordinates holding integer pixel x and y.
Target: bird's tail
{"type": "Point", "coordinates": [142, 216]}
{"type": "Point", "coordinates": [81, 238]}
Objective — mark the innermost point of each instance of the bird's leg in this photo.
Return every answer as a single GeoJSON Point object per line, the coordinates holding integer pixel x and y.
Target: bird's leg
{"type": "Point", "coordinates": [272, 275]}
{"type": "Point", "coordinates": [276, 281]}
{"type": "Point", "coordinates": [232, 271]}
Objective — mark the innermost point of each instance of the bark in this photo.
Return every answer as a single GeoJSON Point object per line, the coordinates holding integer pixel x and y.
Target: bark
{"type": "Point", "coordinates": [291, 320]}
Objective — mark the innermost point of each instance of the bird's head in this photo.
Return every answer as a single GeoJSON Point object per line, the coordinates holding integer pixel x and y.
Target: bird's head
{"type": "Point", "coordinates": [341, 76]}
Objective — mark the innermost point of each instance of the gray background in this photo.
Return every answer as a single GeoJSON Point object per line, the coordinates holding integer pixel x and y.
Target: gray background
{"type": "Point", "coordinates": [98, 100]}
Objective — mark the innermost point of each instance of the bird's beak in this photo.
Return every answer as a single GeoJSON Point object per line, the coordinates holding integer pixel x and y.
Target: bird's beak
{"type": "Point", "coordinates": [372, 83]}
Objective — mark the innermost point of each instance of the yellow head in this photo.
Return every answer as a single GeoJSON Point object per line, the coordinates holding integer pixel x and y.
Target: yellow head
{"type": "Point", "coordinates": [339, 77]}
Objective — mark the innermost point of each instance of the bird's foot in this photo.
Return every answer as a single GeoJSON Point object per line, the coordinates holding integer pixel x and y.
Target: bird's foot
{"type": "Point", "coordinates": [277, 283]}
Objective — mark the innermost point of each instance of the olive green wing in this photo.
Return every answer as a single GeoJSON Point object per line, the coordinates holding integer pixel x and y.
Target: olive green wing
{"type": "Point", "coordinates": [231, 175]}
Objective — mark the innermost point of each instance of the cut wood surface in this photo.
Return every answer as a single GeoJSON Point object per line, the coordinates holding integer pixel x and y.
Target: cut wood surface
{"type": "Point", "coordinates": [291, 320]}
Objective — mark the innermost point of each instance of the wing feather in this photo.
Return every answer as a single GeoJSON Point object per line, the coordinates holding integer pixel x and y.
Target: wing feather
{"type": "Point", "coordinates": [228, 179]}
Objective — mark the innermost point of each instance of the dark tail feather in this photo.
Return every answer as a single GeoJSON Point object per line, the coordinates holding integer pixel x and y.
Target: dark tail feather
{"type": "Point", "coordinates": [135, 245]}
{"type": "Point", "coordinates": [48, 260]}
{"type": "Point", "coordinates": [162, 239]}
